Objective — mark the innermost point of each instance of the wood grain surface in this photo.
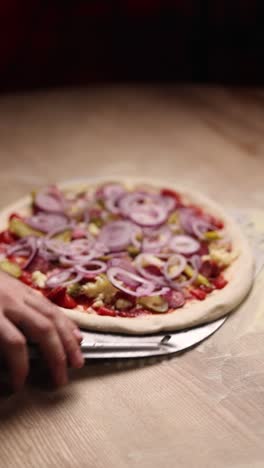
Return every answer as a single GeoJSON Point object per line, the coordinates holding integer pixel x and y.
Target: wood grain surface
{"type": "Point", "coordinates": [204, 408]}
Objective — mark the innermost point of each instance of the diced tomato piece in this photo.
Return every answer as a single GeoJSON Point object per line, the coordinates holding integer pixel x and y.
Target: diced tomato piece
{"type": "Point", "coordinates": [204, 250]}
{"type": "Point", "coordinates": [196, 210]}
{"type": "Point", "coordinates": [105, 311]}
{"type": "Point", "coordinates": [60, 297]}
{"type": "Point", "coordinates": [207, 289]}
{"type": "Point", "coordinates": [54, 293]}
{"type": "Point", "coordinates": [68, 302]}
{"type": "Point", "coordinates": [26, 278]}
{"type": "Point", "coordinates": [217, 222]}
{"type": "Point", "coordinates": [84, 301]}
{"type": "Point", "coordinates": [172, 194]}
{"type": "Point", "coordinates": [198, 294]}
{"type": "Point", "coordinates": [6, 237]}
{"type": "Point", "coordinates": [220, 282]}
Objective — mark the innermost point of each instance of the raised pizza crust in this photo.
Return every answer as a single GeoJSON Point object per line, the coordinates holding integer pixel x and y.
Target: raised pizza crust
{"type": "Point", "coordinates": [220, 302]}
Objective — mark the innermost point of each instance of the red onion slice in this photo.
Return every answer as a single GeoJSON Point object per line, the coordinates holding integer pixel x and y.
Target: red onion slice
{"type": "Point", "coordinates": [116, 235]}
{"type": "Point", "coordinates": [143, 260]}
{"type": "Point", "coordinates": [21, 245]}
{"type": "Point", "coordinates": [169, 202]}
{"type": "Point", "coordinates": [186, 219]}
{"type": "Point", "coordinates": [26, 247]}
{"type": "Point", "coordinates": [121, 263]}
{"type": "Point", "coordinates": [77, 260]}
{"type": "Point", "coordinates": [136, 232]}
{"type": "Point", "coordinates": [145, 209]}
{"type": "Point", "coordinates": [184, 244]}
{"type": "Point", "coordinates": [46, 223]}
{"type": "Point", "coordinates": [177, 264]}
{"type": "Point", "coordinates": [78, 246]}
{"type": "Point", "coordinates": [144, 288]}
{"type": "Point", "coordinates": [156, 240]}
{"type": "Point", "coordinates": [111, 194]}
{"type": "Point", "coordinates": [33, 252]}
{"type": "Point", "coordinates": [149, 216]}
{"type": "Point", "coordinates": [57, 279]}
{"type": "Point", "coordinates": [50, 200]}
{"type": "Point", "coordinates": [159, 292]}
{"type": "Point", "coordinates": [200, 227]}
{"type": "Point", "coordinates": [91, 269]}
{"type": "Point", "coordinates": [62, 278]}
{"type": "Point", "coordinates": [125, 265]}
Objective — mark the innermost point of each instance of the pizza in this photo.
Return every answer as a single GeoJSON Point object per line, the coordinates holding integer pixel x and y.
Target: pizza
{"type": "Point", "coordinates": [127, 256]}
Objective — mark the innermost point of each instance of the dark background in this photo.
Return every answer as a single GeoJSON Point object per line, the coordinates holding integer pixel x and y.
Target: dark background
{"type": "Point", "coordinates": [66, 42]}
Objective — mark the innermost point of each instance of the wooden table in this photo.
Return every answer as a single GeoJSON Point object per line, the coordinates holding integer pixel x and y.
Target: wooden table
{"type": "Point", "coordinates": [206, 407]}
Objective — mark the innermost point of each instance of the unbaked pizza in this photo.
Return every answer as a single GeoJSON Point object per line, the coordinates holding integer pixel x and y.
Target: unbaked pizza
{"type": "Point", "coordinates": [127, 257]}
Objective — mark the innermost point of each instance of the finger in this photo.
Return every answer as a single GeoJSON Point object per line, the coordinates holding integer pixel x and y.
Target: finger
{"type": "Point", "coordinates": [42, 330]}
{"type": "Point", "coordinates": [45, 307]}
{"type": "Point", "coordinates": [13, 344]}
{"type": "Point", "coordinates": [66, 330]}
{"type": "Point", "coordinates": [78, 334]}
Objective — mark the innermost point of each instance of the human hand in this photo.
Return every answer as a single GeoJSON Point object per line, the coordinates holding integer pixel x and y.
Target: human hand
{"type": "Point", "coordinates": [24, 313]}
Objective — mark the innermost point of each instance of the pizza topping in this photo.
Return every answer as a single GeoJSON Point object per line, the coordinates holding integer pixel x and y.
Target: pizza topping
{"type": "Point", "coordinates": [105, 311]}
{"type": "Point", "coordinates": [39, 279]}
{"type": "Point", "coordinates": [175, 266]}
{"type": "Point", "coordinates": [47, 222]}
{"type": "Point", "coordinates": [149, 216]}
{"type": "Point", "coordinates": [145, 209]}
{"type": "Point", "coordinates": [201, 227]}
{"type": "Point", "coordinates": [26, 278]}
{"type": "Point", "coordinates": [198, 294]}
{"type": "Point", "coordinates": [20, 229]}
{"type": "Point", "coordinates": [91, 269]}
{"type": "Point", "coordinates": [50, 200]}
{"type": "Point", "coordinates": [26, 247]}
{"type": "Point", "coordinates": [60, 297]}
{"type": "Point", "coordinates": [175, 299]}
{"type": "Point", "coordinates": [6, 237]}
{"type": "Point", "coordinates": [156, 239]}
{"type": "Point", "coordinates": [219, 282]}
{"type": "Point", "coordinates": [111, 194]}
{"type": "Point", "coordinates": [11, 268]}
{"type": "Point", "coordinates": [184, 244]}
{"type": "Point", "coordinates": [119, 277]}
{"type": "Point", "coordinates": [132, 250]}
{"type": "Point", "coordinates": [144, 261]}
{"type": "Point", "coordinates": [123, 304]}
{"type": "Point", "coordinates": [116, 235]}
{"type": "Point", "coordinates": [212, 235]}
{"type": "Point", "coordinates": [154, 303]}
{"type": "Point", "coordinates": [221, 256]}
{"type": "Point", "coordinates": [199, 279]}
{"type": "Point", "coordinates": [64, 277]}
{"type": "Point", "coordinates": [209, 269]}
{"type": "Point", "coordinates": [100, 288]}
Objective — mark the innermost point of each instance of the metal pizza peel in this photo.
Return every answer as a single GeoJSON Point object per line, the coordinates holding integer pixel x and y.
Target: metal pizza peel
{"type": "Point", "coordinates": [109, 346]}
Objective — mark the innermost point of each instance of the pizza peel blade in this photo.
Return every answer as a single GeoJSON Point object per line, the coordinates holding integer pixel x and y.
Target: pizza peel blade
{"type": "Point", "coordinates": [108, 346]}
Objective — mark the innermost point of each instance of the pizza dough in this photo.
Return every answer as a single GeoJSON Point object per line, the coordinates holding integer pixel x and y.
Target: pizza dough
{"type": "Point", "coordinates": [220, 302]}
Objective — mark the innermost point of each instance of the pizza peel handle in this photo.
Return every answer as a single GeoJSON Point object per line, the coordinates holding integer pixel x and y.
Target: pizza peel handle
{"type": "Point", "coordinates": [106, 346]}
